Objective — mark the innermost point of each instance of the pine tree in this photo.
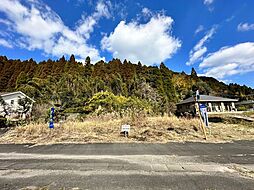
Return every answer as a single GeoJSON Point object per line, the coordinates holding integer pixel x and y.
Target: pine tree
{"type": "Point", "coordinates": [72, 59]}
{"type": "Point", "coordinates": [193, 73]}
{"type": "Point", "coordinates": [88, 60]}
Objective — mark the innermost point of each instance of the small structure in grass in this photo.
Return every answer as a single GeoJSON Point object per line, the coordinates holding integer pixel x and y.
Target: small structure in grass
{"type": "Point", "coordinates": [125, 129]}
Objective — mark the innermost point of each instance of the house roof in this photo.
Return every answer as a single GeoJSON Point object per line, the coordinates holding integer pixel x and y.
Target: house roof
{"type": "Point", "coordinates": [207, 98]}
{"type": "Point", "coordinates": [12, 93]}
{"type": "Point", "coordinates": [248, 102]}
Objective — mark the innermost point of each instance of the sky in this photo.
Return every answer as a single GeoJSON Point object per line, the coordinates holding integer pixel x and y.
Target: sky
{"type": "Point", "coordinates": [216, 37]}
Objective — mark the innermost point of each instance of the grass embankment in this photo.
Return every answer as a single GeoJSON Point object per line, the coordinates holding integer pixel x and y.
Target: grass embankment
{"type": "Point", "coordinates": [143, 129]}
{"type": "Point", "coordinates": [249, 114]}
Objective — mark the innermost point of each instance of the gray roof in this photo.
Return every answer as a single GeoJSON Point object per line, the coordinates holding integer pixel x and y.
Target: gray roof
{"type": "Point", "coordinates": [10, 93]}
{"type": "Point", "coordinates": [206, 98]}
{"type": "Point", "coordinates": [247, 102]}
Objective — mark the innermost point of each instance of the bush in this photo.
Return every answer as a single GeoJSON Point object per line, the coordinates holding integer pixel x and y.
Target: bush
{"type": "Point", "coordinates": [74, 110]}
{"type": "Point", "coordinates": [242, 108]}
{"type": "Point", "coordinates": [104, 102]}
{"type": "Point", "coordinates": [40, 112]}
{"type": "Point", "coordinates": [3, 122]}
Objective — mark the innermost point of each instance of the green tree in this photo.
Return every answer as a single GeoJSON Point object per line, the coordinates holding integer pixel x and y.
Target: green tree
{"type": "Point", "coordinates": [193, 73]}
{"type": "Point", "coordinates": [72, 59]}
{"type": "Point", "coordinates": [88, 60]}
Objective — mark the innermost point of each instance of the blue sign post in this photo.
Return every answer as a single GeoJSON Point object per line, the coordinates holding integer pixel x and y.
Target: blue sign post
{"type": "Point", "coordinates": [51, 120]}
{"type": "Point", "coordinates": [204, 114]}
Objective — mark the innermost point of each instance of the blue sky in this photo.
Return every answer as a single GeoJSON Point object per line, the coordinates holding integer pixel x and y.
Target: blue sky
{"type": "Point", "coordinates": [213, 36]}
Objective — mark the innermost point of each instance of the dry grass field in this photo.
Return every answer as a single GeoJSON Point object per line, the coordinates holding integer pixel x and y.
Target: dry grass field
{"type": "Point", "coordinates": [143, 129]}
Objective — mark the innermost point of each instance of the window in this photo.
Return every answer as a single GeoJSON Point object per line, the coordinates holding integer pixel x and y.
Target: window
{"type": "Point", "coordinates": [12, 102]}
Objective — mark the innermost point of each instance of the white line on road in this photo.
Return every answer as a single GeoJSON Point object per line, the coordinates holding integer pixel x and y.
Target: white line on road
{"type": "Point", "coordinates": [15, 156]}
{"type": "Point", "coordinates": [28, 173]}
{"type": "Point", "coordinates": [157, 163]}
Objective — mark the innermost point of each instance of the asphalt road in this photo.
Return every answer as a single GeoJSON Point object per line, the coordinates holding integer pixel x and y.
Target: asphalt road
{"type": "Point", "coordinates": [128, 166]}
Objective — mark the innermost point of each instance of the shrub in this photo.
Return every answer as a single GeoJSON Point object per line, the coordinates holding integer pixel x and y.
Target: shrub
{"type": "Point", "coordinates": [108, 102]}
{"type": "Point", "coordinates": [3, 122]}
{"type": "Point", "coordinates": [242, 108]}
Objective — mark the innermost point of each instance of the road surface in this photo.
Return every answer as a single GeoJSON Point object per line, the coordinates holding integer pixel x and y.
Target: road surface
{"type": "Point", "coordinates": [128, 166]}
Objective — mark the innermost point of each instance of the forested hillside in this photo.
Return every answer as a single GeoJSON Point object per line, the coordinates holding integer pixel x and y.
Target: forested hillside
{"type": "Point", "coordinates": [114, 85]}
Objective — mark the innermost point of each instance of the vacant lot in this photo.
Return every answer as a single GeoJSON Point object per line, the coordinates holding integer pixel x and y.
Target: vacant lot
{"type": "Point", "coordinates": [143, 129]}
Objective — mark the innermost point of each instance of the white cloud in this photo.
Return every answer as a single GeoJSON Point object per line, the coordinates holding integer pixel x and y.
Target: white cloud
{"type": "Point", "coordinates": [146, 12]}
{"type": "Point", "coordinates": [102, 9]}
{"type": "Point", "coordinates": [4, 21]}
{"type": "Point", "coordinates": [208, 2]}
{"type": "Point", "coordinates": [41, 28]}
{"type": "Point", "coordinates": [5, 43]}
{"type": "Point", "coordinates": [150, 43]}
{"type": "Point", "coordinates": [208, 35]}
{"type": "Point", "coordinates": [196, 54]}
{"type": "Point", "coordinates": [229, 61]}
{"type": "Point", "coordinates": [230, 18]}
{"type": "Point", "coordinates": [200, 28]}
{"type": "Point", "coordinates": [86, 24]}
{"type": "Point", "coordinates": [242, 27]}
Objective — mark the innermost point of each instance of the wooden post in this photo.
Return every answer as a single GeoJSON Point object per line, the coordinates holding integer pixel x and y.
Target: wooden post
{"type": "Point", "coordinates": [200, 117]}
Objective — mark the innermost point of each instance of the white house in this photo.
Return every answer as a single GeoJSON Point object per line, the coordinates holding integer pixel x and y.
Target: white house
{"type": "Point", "coordinates": [11, 99]}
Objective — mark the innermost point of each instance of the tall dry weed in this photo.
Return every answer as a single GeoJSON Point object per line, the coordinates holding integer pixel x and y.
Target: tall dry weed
{"type": "Point", "coordinates": [107, 129]}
